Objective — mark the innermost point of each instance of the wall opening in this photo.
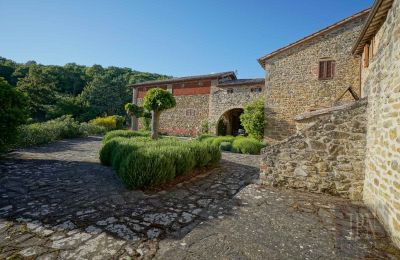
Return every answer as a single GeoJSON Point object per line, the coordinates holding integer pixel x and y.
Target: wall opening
{"type": "Point", "coordinates": [229, 123]}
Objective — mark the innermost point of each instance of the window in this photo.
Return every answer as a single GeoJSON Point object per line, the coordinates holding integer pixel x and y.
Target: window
{"type": "Point", "coordinates": [366, 55]}
{"type": "Point", "coordinates": [190, 112]}
{"type": "Point", "coordinates": [326, 69]}
{"type": "Point", "coordinates": [255, 90]}
{"type": "Point", "coordinates": [229, 90]}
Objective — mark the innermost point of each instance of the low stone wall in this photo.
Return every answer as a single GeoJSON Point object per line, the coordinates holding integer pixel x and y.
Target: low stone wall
{"type": "Point", "coordinates": [327, 157]}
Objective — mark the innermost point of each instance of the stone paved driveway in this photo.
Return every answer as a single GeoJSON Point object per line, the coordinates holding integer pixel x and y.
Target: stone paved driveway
{"type": "Point", "coordinates": [57, 201]}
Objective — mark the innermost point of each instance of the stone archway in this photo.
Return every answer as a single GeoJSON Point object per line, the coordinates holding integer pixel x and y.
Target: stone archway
{"type": "Point", "coordinates": [229, 123]}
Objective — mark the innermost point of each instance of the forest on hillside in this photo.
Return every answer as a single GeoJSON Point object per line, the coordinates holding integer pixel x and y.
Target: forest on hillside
{"type": "Point", "coordinates": [85, 92]}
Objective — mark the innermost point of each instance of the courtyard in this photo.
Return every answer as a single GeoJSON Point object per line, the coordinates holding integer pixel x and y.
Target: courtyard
{"type": "Point", "coordinates": [59, 202]}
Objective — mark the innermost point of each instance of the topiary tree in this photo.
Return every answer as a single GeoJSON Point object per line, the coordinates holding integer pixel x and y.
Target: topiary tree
{"type": "Point", "coordinates": [133, 111]}
{"type": "Point", "coordinates": [13, 112]}
{"type": "Point", "coordinates": [253, 119]}
{"type": "Point", "coordinates": [157, 100]}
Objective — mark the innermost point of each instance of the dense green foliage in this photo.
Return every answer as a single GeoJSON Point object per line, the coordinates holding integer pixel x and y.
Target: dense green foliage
{"type": "Point", "coordinates": [124, 133]}
{"type": "Point", "coordinates": [141, 113]}
{"type": "Point", "coordinates": [225, 146]}
{"type": "Point", "coordinates": [253, 119]}
{"type": "Point", "coordinates": [81, 91]}
{"type": "Point", "coordinates": [157, 100]}
{"type": "Point", "coordinates": [109, 122]}
{"type": "Point", "coordinates": [142, 162]}
{"type": "Point", "coordinates": [247, 145]}
{"type": "Point", "coordinates": [238, 144]}
{"type": "Point", "coordinates": [13, 112]}
{"type": "Point", "coordinates": [52, 130]}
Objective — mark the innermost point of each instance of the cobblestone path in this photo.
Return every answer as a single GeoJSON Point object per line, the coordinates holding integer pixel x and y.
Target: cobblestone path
{"type": "Point", "coordinates": [57, 201]}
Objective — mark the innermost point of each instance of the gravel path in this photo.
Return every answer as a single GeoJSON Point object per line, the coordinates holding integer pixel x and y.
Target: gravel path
{"type": "Point", "coordinates": [57, 201]}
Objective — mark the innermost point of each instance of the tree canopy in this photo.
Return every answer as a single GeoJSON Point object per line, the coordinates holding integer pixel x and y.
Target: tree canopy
{"type": "Point", "coordinates": [157, 99]}
{"type": "Point", "coordinates": [13, 112]}
{"type": "Point", "coordinates": [81, 91]}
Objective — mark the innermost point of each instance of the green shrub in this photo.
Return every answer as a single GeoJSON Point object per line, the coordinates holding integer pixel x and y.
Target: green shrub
{"type": "Point", "coordinates": [215, 154]}
{"type": "Point", "coordinates": [253, 119]}
{"type": "Point", "coordinates": [141, 161]}
{"type": "Point", "coordinates": [204, 136]}
{"type": "Point", "coordinates": [146, 123]}
{"type": "Point", "coordinates": [52, 130]}
{"type": "Point", "coordinates": [88, 129]}
{"type": "Point", "coordinates": [109, 122]}
{"type": "Point", "coordinates": [147, 167]}
{"type": "Point", "coordinates": [13, 112]}
{"type": "Point", "coordinates": [124, 133]}
{"type": "Point", "coordinates": [107, 149]}
{"type": "Point", "coordinates": [218, 140]}
{"type": "Point", "coordinates": [184, 159]}
{"type": "Point", "coordinates": [225, 146]}
{"type": "Point", "coordinates": [247, 145]}
{"type": "Point", "coordinates": [49, 131]}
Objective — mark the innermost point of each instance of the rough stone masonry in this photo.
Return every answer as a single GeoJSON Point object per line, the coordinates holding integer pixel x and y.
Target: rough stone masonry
{"type": "Point", "coordinates": [326, 157]}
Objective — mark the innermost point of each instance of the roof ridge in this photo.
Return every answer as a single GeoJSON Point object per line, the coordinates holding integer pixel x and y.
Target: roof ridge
{"type": "Point", "coordinates": [313, 35]}
{"type": "Point", "coordinates": [177, 79]}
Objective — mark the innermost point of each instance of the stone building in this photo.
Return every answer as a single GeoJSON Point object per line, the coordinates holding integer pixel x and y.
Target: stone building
{"type": "Point", "coordinates": [203, 100]}
{"type": "Point", "coordinates": [379, 47]}
{"type": "Point", "coordinates": [350, 150]}
{"type": "Point", "coordinates": [312, 73]}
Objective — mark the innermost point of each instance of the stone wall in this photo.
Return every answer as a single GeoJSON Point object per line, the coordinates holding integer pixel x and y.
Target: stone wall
{"type": "Point", "coordinates": [186, 117]}
{"type": "Point", "coordinates": [327, 157]}
{"type": "Point", "coordinates": [292, 84]}
{"type": "Point", "coordinates": [221, 101]}
{"type": "Point", "coordinates": [382, 172]}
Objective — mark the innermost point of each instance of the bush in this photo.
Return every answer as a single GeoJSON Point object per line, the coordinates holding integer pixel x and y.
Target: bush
{"type": "Point", "coordinates": [13, 112]}
{"type": "Point", "coordinates": [238, 144]}
{"type": "Point", "coordinates": [89, 129]}
{"type": "Point", "coordinates": [146, 123]}
{"type": "Point", "coordinates": [253, 119]}
{"type": "Point", "coordinates": [124, 133]}
{"type": "Point", "coordinates": [204, 136]}
{"type": "Point", "coordinates": [52, 130]}
{"type": "Point", "coordinates": [141, 162]}
{"type": "Point", "coordinates": [225, 146]}
{"type": "Point", "coordinates": [218, 140]}
{"type": "Point", "coordinates": [247, 146]}
{"type": "Point", "coordinates": [109, 122]}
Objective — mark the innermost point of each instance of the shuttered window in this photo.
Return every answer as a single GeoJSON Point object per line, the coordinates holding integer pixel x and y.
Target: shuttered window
{"type": "Point", "coordinates": [326, 69]}
{"type": "Point", "coordinates": [366, 55]}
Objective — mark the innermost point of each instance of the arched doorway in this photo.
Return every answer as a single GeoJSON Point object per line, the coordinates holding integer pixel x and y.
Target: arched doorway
{"type": "Point", "coordinates": [229, 123]}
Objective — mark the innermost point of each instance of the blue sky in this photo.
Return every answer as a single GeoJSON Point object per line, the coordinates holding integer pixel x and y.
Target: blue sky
{"type": "Point", "coordinates": [176, 38]}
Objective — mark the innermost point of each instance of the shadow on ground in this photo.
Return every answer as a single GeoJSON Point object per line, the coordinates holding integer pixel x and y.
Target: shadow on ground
{"type": "Point", "coordinates": [57, 201]}
{"type": "Point", "coordinates": [56, 198]}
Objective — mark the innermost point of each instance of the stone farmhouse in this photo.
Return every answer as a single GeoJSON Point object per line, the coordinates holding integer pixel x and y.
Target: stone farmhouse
{"type": "Point", "coordinates": [204, 99]}
{"type": "Point", "coordinates": [332, 106]}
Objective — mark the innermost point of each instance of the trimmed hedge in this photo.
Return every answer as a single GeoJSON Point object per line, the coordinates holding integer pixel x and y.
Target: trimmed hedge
{"type": "Point", "coordinates": [142, 162]}
{"type": "Point", "coordinates": [247, 146]}
{"type": "Point", "coordinates": [238, 144]}
{"type": "Point", "coordinates": [225, 146]}
{"type": "Point", "coordinates": [124, 133]}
